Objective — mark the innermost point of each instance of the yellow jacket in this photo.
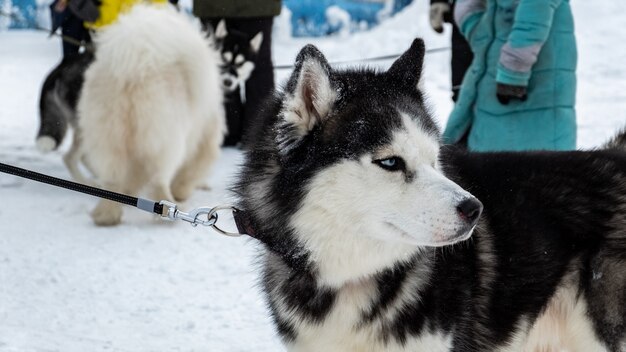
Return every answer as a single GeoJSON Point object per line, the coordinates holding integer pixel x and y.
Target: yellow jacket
{"type": "Point", "coordinates": [110, 9]}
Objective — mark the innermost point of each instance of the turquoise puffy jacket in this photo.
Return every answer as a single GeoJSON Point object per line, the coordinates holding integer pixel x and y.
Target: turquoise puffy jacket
{"type": "Point", "coordinates": [523, 43]}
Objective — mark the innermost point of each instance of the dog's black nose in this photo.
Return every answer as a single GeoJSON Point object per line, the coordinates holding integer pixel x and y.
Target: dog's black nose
{"type": "Point", "coordinates": [470, 210]}
{"type": "Point", "coordinates": [228, 82]}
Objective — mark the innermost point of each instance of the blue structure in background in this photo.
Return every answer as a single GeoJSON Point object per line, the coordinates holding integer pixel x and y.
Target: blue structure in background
{"type": "Point", "coordinates": [308, 17]}
{"type": "Point", "coordinates": [23, 13]}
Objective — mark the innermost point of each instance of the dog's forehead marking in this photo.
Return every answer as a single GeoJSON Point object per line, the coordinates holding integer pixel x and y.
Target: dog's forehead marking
{"type": "Point", "coordinates": [413, 142]}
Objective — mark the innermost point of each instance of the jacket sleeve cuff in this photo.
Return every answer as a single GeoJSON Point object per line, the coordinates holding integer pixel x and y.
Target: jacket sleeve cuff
{"type": "Point", "coordinates": [512, 78]}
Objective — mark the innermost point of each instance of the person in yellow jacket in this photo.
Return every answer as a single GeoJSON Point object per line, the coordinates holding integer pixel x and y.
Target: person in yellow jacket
{"type": "Point", "coordinates": [110, 9]}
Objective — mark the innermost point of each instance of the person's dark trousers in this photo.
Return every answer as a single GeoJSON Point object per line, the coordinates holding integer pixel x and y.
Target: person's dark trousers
{"type": "Point", "coordinates": [261, 82]}
{"type": "Point", "coordinates": [233, 107]}
{"type": "Point", "coordinates": [73, 27]}
{"type": "Point", "coordinates": [461, 60]}
{"type": "Point", "coordinates": [461, 52]}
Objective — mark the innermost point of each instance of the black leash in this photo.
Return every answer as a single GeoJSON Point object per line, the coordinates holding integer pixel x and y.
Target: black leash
{"type": "Point", "coordinates": [140, 203]}
{"type": "Point", "coordinates": [205, 216]}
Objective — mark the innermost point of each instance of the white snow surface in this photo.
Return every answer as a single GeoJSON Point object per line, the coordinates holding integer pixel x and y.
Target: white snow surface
{"type": "Point", "coordinates": [66, 285]}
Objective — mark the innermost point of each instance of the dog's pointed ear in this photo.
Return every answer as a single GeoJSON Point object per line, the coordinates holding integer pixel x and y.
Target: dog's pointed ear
{"type": "Point", "coordinates": [408, 67]}
{"type": "Point", "coordinates": [220, 31]}
{"type": "Point", "coordinates": [256, 41]}
{"type": "Point", "coordinates": [310, 95]}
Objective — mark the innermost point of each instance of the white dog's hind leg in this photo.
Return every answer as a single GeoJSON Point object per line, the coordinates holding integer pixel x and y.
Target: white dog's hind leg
{"type": "Point", "coordinates": [72, 159]}
{"type": "Point", "coordinates": [193, 173]}
{"type": "Point", "coordinates": [109, 213]}
{"type": "Point", "coordinates": [161, 191]}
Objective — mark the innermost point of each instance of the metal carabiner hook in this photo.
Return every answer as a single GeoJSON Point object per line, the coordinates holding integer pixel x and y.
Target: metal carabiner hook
{"type": "Point", "coordinates": [194, 217]}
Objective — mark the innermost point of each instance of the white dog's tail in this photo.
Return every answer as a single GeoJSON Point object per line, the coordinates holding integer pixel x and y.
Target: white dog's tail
{"type": "Point", "coordinates": [156, 36]}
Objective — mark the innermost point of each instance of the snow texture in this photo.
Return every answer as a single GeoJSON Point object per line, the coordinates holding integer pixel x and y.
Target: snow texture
{"type": "Point", "coordinates": [146, 285]}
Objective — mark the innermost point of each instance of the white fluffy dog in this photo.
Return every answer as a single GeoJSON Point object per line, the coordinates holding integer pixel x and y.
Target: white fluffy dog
{"type": "Point", "coordinates": [151, 111]}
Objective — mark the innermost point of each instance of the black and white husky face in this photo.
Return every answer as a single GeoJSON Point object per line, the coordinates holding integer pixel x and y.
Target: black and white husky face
{"type": "Point", "coordinates": [353, 167]}
{"type": "Point", "coordinates": [238, 53]}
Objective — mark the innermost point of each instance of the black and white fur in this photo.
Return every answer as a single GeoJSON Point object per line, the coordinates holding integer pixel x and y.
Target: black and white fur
{"type": "Point", "coordinates": [366, 223]}
{"type": "Point", "coordinates": [57, 110]}
{"type": "Point", "coordinates": [238, 54]}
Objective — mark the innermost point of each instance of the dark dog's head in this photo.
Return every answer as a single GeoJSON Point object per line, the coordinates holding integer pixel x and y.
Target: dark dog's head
{"type": "Point", "coordinates": [347, 169]}
{"type": "Point", "coordinates": [238, 53]}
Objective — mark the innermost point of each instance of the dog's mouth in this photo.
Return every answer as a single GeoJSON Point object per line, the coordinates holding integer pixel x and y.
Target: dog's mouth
{"type": "Point", "coordinates": [229, 82]}
{"type": "Point", "coordinates": [229, 86]}
{"type": "Point", "coordinates": [438, 240]}
{"type": "Point", "coordinates": [462, 235]}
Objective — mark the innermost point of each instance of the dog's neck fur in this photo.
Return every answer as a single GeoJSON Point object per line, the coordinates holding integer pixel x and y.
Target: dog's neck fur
{"type": "Point", "coordinates": [301, 299]}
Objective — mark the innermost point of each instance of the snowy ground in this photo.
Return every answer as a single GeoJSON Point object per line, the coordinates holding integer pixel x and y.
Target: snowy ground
{"type": "Point", "coordinates": [150, 286]}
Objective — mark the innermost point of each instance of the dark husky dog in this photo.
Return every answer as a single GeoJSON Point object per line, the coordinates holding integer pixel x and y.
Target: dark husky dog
{"type": "Point", "coordinates": [238, 53]}
{"type": "Point", "coordinates": [57, 109]}
{"type": "Point", "coordinates": [374, 243]}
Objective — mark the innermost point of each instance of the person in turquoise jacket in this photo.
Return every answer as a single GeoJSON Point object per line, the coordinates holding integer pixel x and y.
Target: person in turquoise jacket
{"type": "Point", "coordinates": [519, 93]}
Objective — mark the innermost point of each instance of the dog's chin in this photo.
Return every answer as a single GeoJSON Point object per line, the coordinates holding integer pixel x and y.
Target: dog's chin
{"type": "Point", "coordinates": [438, 240]}
{"type": "Point", "coordinates": [461, 236]}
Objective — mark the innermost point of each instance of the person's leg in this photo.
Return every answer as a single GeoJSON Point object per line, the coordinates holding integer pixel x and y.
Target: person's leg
{"type": "Point", "coordinates": [461, 60]}
{"type": "Point", "coordinates": [234, 117]}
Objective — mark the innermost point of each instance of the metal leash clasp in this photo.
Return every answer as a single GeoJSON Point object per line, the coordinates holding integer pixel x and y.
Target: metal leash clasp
{"type": "Point", "coordinates": [197, 216]}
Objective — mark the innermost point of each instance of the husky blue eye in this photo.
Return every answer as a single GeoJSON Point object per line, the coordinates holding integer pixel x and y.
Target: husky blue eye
{"type": "Point", "coordinates": [391, 164]}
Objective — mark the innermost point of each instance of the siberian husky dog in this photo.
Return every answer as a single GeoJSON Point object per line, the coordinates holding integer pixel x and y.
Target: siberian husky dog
{"type": "Point", "coordinates": [150, 111]}
{"type": "Point", "coordinates": [57, 110]}
{"type": "Point", "coordinates": [373, 235]}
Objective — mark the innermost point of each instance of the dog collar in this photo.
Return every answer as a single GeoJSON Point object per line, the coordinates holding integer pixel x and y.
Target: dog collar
{"type": "Point", "coordinates": [244, 223]}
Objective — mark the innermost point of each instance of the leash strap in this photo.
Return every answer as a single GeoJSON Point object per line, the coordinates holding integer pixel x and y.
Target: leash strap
{"type": "Point", "coordinates": [205, 216]}
{"type": "Point", "coordinates": [140, 203]}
